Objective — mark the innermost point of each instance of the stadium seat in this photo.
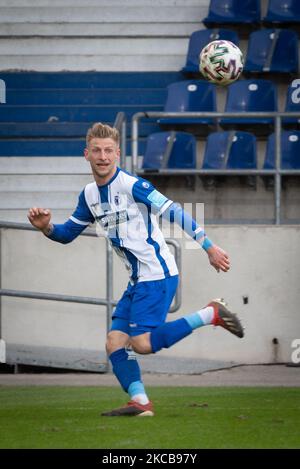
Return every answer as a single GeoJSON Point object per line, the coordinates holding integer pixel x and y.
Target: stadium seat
{"type": "Point", "coordinates": [292, 105]}
{"type": "Point", "coordinates": [190, 96]}
{"type": "Point", "coordinates": [230, 150]}
{"type": "Point", "coordinates": [290, 150]}
{"type": "Point", "coordinates": [282, 12]}
{"type": "Point", "coordinates": [235, 12]}
{"type": "Point", "coordinates": [250, 96]}
{"type": "Point", "coordinates": [199, 39]}
{"type": "Point", "coordinates": [174, 150]}
{"type": "Point", "coordinates": [272, 50]}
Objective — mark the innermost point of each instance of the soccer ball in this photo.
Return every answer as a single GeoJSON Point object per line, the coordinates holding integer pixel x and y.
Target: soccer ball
{"type": "Point", "coordinates": [221, 62]}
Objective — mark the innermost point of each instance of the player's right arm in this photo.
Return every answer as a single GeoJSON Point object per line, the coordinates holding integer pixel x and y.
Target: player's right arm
{"type": "Point", "coordinates": [40, 219]}
{"type": "Point", "coordinates": [64, 233]}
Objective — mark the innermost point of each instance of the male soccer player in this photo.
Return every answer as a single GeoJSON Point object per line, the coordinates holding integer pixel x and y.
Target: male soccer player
{"type": "Point", "coordinates": [127, 207]}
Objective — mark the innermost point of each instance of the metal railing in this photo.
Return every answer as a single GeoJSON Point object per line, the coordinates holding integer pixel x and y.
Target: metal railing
{"type": "Point", "coordinates": [277, 172]}
{"type": "Point", "coordinates": [108, 302]}
{"type": "Point", "coordinates": [121, 125]}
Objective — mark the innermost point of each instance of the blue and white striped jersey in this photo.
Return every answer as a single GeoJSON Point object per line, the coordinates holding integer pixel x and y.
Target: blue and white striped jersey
{"type": "Point", "coordinates": [126, 209]}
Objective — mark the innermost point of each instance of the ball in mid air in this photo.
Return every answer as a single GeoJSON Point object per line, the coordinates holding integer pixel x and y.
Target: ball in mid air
{"type": "Point", "coordinates": [221, 62]}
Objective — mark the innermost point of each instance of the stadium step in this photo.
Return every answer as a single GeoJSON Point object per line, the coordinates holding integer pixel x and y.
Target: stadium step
{"type": "Point", "coordinates": [119, 30]}
{"type": "Point", "coordinates": [90, 47]}
{"type": "Point", "coordinates": [95, 3]}
{"type": "Point", "coordinates": [38, 182]}
{"type": "Point", "coordinates": [56, 36]}
{"type": "Point", "coordinates": [20, 215]}
{"type": "Point", "coordinates": [165, 56]}
{"type": "Point", "coordinates": [109, 13]}
{"type": "Point", "coordinates": [54, 200]}
{"type": "Point", "coordinates": [26, 165]}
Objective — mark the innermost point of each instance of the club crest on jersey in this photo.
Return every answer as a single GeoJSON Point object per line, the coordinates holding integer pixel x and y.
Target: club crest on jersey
{"type": "Point", "coordinates": [117, 199]}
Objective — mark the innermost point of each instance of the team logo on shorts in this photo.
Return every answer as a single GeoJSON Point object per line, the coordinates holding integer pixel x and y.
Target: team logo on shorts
{"type": "Point", "coordinates": [146, 185]}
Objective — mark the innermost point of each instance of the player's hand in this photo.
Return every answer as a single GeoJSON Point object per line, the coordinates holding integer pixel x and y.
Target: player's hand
{"type": "Point", "coordinates": [218, 258]}
{"type": "Point", "coordinates": [39, 217]}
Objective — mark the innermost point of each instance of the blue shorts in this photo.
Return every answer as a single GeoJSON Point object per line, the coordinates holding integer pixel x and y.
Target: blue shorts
{"type": "Point", "coordinates": [144, 306]}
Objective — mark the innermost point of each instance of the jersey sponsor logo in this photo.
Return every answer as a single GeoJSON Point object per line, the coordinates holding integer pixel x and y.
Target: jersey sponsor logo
{"type": "Point", "coordinates": [112, 219]}
{"type": "Point", "coordinates": [157, 199]}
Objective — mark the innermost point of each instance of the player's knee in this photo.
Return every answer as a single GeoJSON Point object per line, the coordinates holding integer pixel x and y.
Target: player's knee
{"type": "Point", "coordinates": [141, 344]}
{"type": "Point", "coordinates": [115, 340]}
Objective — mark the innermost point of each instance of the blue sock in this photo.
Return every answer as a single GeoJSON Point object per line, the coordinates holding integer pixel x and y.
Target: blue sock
{"type": "Point", "coordinates": [125, 367]}
{"type": "Point", "coordinates": [194, 320]}
{"type": "Point", "coordinates": [137, 392]}
{"type": "Point", "coordinates": [135, 388]}
{"type": "Point", "coordinates": [168, 334]}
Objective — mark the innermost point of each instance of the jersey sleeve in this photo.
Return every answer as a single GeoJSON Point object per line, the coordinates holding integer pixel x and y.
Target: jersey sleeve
{"type": "Point", "coordinates": [176, 214]}
{"type": "Point", "coordinates": [82, 214]}
{"type": "Point", "coordinates": [66, 232]}
{"type": "Point", "coordinates": [145, 193]}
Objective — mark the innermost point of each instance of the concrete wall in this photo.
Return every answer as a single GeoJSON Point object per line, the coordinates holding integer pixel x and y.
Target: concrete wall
{"type": "Point", "coordinates": [265, 271]}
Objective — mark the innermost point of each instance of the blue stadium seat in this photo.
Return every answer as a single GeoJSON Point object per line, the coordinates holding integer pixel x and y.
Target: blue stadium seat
{"type": "Point", "coordinates": [190, 96]}
{"type": "Point", "coordinates": [272, 50]}
{"type": "Point", "coordinates": [250, 96]}
{"type": "Point", "coordinates": [199, 39]}
{"type": "Point", "coordinates": [233, 12]}
{"type": "Point", "coordinates": [174, 150]}
{"type": "Point", "coordinates": [230, 150]}
{"type": "Point", "coordinates": [290, 150]}
{"type": "Point", "coordinates": [282, 12]}
{"type": "Point", "coordinates": [292, 105]}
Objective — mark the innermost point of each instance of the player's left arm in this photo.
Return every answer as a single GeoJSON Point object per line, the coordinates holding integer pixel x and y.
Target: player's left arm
{"type": "Point", "coordinates": [217, 257]}
{"type": "Point", "coordinates": [144, 192]}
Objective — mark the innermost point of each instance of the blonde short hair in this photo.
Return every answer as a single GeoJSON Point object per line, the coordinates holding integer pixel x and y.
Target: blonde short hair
{"type": "Point", "coordinates": [100, 130]}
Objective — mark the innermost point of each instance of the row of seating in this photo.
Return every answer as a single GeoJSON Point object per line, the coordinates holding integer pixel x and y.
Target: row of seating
{"type": "Point", "coordinates": [68, 113]}
{"type": "Point", "coordinates": [48, 114]}
{"type": "Point", "coordinates": [242, 96]}
{"type": "Point", "coordinates": [224, 150]}
{"type": "Point", "coordinates": [269, 50]}
{"type": "Point", "coordinates": [280, 12]}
